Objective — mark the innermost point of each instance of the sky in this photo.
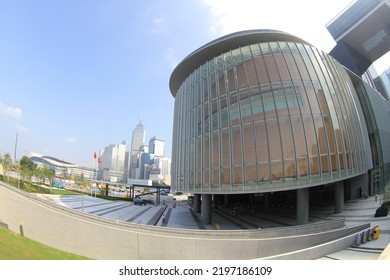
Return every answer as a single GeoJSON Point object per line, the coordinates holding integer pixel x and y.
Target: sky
{"type": "Point", "coordinates": [79, 75]}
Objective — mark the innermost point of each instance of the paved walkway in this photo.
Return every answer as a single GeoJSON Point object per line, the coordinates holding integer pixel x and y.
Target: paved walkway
{"type": "Point", "coordinates": [175, 212]}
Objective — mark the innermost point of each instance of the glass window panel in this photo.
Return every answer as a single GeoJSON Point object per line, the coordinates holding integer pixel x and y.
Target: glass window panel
{"type": "Point", "coordinates": [198, 154]}
{"type": "Point", "coordinates": [292, 99]}
{"type": "Point", "coordinates": [314, 166]}
{"type": "Point", "coordinates": [234, 108]}
{"type": "Point", "coordinates": [215, 182]}
{"type": "Point", "coordinates": [321, 135]}
{"type": "Point", "coordinates": [215, 149]}
{"type": "Point", "coordinates": [271, 67]}
{"type": "Point", "coordinates": [292, 67]}
{"type": "Point", "coordinates": [261, 70]}
{"type": "Point", "coordinates": [249, 143]}
{"type": "Point", "coordinates": [324, 164]}
{"type": "Point", "coordinates": [206, 118]}
{"type": "Point", "coordinates": [311, 94]}
{"type": "Point", "coordinates": [321, 98]}
{"type": "Point", "coordinates": [334, 162]}
{"type": "Point", "coordinates": [269, 104]}
{"type": "Point", "coordinates": [255, 49]}
{"type": "Point", "coordinates": [250, 174]}
{"type": "Point", "coordinates": [237, 175]}
{"type": "Point", "coordinates": [282, 67]}
{"type": "Point", "coordinates": [206, 151]}
{"type": "Point", "coordinates": [225, 148]}
{"type": "Point", "coordinates": [329, 132]}
{"type": "Point", "coordinates": [214, 114]}
{"type": "Point", "coordinates": [299, 137]}
{"type": "Point", "coordinates": [302, 97]}
{"type": "Point", "coordinates": [301, 67]}
{"type": "Point", "coordinates": [225, 176]}
{"type": "Point", "coordinates": [251, 72]}
{"type": "Point", "coordinates": [245, 109]}
{"type": "Point", "coordinates": [213, 85]}
{"type": "Point", "coordinates": [224, 112]}
{"type": "Point", "coordinates": [264, 172]}
{"type": "Point", "coordinates": [206, 178]}
{"type": "Point", "coordinates": [241, 76]}
{"type": "Point", "coordinates": [236, 145]}
{"type": "Point", "coordinates": [199, 120]}
{"type": "Point", "coordinates": [257, 107]}
{"type": "Point", "coordinates": [287, 138]}
{"type": "Point", "coordinates": [231, 80]}
{"type": "Point", "coordinates": [276, 171]}
{"type": "Point", "coordinates": [310, 133]}
{"type": "Point", "coordinates": [274, 140]}
{"type": "Point", "coordinates": [310, 68]}
{"type": "Point", "coordinates": [265, 48]}
{"type": "Point", "coordinates": [246, 53]}
{"type": "Point", "coordinates": [280, 99]}
{"type": "Point", "coordinates": [221, 82]}
{"type": "Point", "coordinates": [303, 167]}
{"type": "Point", "coordinates": [205, 89]}
{"type": "Point", "coordinates": [290, 169]}
{"type": "Point", "coordinates": [261, 141]}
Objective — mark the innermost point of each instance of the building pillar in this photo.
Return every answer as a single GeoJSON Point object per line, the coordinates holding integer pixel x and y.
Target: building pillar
{"type": "Point", "coordinates": [206, 209]}
{"type": "Point", "coordinates": [226, 202]}
{"type": "Point", "coordinates": [197, 203]}
{"type": "Point", "coordinates": [339, 197]}
{"type": "Point", "coordinates": [302, 206]}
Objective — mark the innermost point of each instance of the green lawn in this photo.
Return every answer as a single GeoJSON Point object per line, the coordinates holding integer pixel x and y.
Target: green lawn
{"type": "Point", "coordinates": [16, 247]}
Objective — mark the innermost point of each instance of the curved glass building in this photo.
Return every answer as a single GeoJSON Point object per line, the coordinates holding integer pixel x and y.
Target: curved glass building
{"type": "Point", "coordinates": [262, 111]}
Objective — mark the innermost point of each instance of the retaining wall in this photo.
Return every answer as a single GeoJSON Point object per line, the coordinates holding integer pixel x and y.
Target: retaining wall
{"type": "Point", "coordinates": [101, 238]}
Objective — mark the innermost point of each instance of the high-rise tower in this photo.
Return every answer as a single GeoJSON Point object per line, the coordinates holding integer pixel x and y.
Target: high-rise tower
{"type": "Point", "coordinates": [137, 140]}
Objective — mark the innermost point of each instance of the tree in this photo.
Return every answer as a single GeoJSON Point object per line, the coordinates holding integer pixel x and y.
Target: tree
{"type": "Point", "coordinates": [6, 162]}
{"type": "Point", "coordinates": [48, 173]}
{"type": "Point", "coordinates": [27, 167]}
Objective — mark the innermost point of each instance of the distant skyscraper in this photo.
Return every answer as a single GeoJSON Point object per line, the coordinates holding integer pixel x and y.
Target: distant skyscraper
{"type": "Point", "coordinates": [156, 147]}
{"type": "Point", "coordinates": [137, 141]}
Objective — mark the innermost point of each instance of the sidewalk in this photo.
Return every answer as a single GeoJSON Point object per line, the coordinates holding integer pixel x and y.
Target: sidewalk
{"type": "Point", "coordinates": [175, 212]}
{"type": "Point", "coordinates": [362, 211]}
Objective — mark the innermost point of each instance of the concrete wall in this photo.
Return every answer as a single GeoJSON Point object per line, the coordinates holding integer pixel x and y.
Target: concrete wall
{"type": "Point", "coordinates": [101, 238]}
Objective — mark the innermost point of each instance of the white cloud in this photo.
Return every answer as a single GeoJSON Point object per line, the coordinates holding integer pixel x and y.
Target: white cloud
{"type": "Point", "coordinates": [306, 19]}
{"type": "Point", "coordinates": [70, 139]}
{"type": "Point", "coordinates": [10, 111]}
{"type": "Point", "coordinates": [159, 24]}
{"type": "Point", "coordinates": [22, 128]}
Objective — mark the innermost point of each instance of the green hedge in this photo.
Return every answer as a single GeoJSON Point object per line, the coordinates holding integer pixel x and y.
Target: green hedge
{"type": "Point", "coordinates": [382, 211]}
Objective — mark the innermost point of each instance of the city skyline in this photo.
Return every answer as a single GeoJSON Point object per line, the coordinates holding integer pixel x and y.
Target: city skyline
{"type": "Point", "coordinates": [79, 75]}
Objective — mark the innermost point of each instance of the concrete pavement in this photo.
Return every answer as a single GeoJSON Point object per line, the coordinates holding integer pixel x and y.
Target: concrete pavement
{"type": "Point", "coordinates": [175, 212]}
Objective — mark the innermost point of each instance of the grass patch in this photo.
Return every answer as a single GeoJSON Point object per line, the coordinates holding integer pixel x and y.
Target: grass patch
{"type": "Point", "coordinates": [16, 247]}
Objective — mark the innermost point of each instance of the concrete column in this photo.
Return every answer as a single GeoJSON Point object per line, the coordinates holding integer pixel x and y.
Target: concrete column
{"type": "Point", "coordinates": [196, 203]}
{"type": "Point", "coordinates": [226, 202]}
{"type": "Point", "coordinates": [339, 197]}
{"type": "Point", "coordinates": [302, 206]}
{"type": "Point", "coordinates": [206, 209]}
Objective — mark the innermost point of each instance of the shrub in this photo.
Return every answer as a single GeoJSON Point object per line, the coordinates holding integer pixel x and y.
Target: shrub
{"type": "Point", "coordinates": [382, 211]}
{"type": "Point", "coordinates": [386, 203]}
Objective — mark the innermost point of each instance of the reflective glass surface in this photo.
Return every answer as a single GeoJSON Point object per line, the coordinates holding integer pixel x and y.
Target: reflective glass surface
{"type": "Point", "coordinates": [263, 116]}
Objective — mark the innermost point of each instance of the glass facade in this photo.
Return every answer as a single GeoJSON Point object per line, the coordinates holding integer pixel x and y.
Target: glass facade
{"type": "Point", "coordinates": [266, 116]}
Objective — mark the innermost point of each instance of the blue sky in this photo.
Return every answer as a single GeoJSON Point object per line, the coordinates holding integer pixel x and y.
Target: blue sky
{"type": "Point", "coordinates": [78, 75]}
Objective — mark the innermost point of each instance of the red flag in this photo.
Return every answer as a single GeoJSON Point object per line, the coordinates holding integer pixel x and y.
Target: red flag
{"type": "Point", "coordinates": [94, 155]}
{"type": "Point", "coordinates": [99, 160]}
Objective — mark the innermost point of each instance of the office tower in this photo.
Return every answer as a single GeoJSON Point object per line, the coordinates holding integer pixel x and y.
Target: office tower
{"type": "Point", "coordinates": [137, 140]}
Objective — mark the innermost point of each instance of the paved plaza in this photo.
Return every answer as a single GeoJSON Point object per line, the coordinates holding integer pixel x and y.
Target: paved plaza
{"type": "Point", "coordinates": [175, 212]}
